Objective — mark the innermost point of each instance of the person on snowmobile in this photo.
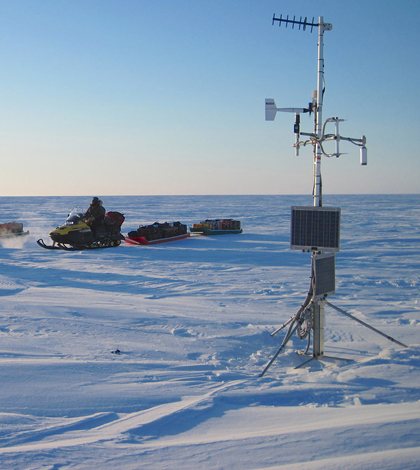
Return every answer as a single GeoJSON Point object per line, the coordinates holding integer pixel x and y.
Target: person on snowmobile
{"type": "Point", "coordinates": [95, 214]}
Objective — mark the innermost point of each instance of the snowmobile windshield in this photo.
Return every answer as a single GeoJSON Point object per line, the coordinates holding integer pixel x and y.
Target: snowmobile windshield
{"type": "Point", "coordinates": [75, 216]}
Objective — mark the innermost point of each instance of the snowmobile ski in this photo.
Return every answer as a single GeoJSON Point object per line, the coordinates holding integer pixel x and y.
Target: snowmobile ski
{"type": "Point", "coordinates": [92, 246]}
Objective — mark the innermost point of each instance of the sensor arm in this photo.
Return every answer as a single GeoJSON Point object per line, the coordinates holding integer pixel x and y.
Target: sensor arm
{"type": "Point", "coordinates": [314, 139]}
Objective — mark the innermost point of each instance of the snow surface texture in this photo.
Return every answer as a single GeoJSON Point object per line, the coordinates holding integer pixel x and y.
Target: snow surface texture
{"type": "Point", "coordinates": [191, 321]}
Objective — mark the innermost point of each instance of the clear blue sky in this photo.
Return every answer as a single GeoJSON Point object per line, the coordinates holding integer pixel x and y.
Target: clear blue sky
{"type": "Point", "coordinates": [101, 97]}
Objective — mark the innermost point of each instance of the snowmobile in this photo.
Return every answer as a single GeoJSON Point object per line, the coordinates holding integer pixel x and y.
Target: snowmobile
{"type": "Point", "coordinates": [76, 234]}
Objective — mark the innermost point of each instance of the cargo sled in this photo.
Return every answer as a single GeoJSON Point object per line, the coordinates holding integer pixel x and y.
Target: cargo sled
{"type": "Point", "coordinates": [12, 229]}
{"type": "Point", "coordinates": [157, 233]}
{"type": "Point", "coordinates": [217, 227]}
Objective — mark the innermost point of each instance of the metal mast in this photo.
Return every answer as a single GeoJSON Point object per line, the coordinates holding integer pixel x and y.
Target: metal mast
{"type": "Point", "coordinates": [318, 220]}
{"type": "Point", "coordinates": [318, 307]}
{"type": "Point", "coordinates": [318, 115]}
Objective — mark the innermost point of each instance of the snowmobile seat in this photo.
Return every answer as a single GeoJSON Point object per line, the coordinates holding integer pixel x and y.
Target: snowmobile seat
{"type": "Point", "coordinates": [114, 218]}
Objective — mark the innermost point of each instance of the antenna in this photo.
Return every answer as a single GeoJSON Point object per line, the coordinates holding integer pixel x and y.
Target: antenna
{"type": "Point", "coordinates": [293, 22]}
{"type": "Point", "coordinates": [315, 229]}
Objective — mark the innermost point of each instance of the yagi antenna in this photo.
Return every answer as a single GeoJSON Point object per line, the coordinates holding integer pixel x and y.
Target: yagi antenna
{"type": "Point", "coordinates": [294, 22]}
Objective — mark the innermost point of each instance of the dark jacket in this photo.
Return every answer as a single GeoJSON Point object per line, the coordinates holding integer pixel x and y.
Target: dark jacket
{"type": "Point", "coordinates": [95, 214]}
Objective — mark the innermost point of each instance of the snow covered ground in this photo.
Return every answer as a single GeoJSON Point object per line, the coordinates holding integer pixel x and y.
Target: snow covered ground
{"type": "Point", "coordinates": [192, 321]}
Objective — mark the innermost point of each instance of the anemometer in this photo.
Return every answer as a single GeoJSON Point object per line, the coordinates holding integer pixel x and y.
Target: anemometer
{"type": "Point", "coordinates": [315, 229]}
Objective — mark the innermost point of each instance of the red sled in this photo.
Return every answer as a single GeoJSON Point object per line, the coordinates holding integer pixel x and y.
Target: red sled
{"type": "Point", "coordinates": [145, 241]}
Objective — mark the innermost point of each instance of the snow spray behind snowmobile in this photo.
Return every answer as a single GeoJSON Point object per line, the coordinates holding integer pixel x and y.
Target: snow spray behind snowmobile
{"type": "Point", "coordinates": [76, 234]}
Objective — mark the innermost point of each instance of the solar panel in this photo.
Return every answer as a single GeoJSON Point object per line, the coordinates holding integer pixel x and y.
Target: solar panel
{"type": "Point", "coordinates": [324, 270]}
{"type": "Point", "coordinates": [315, 228]}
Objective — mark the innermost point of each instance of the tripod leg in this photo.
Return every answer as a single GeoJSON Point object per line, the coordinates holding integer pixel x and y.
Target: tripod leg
{"type": "Point", "coordinates": [366, 325]}
{"type": "Point", "coordinates": [283, 345]}
{"type": "Point", "coordinates": [306, 362]}
{"type": "Point", "coordinates": [283, 326]}
{"type": "Point", "coordinates": [302, 309]}
{"type": "Point", "coordinates": [292, 328]}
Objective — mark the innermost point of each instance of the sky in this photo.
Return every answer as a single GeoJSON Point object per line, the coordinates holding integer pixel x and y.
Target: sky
{"type": "Point", "coordinates": [142, 97]}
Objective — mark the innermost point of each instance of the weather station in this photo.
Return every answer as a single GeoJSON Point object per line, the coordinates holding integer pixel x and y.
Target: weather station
{"type": "Point", "coordinates": [315, 229]}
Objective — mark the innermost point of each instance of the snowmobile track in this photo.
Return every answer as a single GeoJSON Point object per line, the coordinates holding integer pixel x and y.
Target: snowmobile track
{"type": "Point", "coordinates": [61, 246]}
